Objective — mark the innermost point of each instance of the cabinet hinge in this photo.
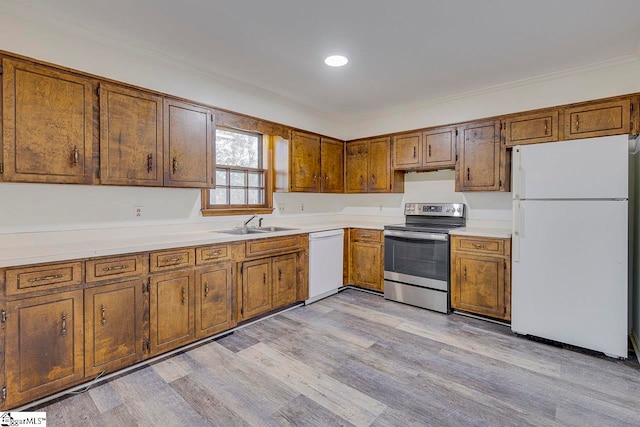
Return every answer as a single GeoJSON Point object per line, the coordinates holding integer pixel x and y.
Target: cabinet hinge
{"type": "Point", "coordinates": [98, 91]}
{"type": "Point", "coordinates": [632, 107]}
{"type": "Point", "coordinates": [1, 69]}
{"type": "Point", "coordinates": [500, 183]}
{"type": "Point", "coordinates": [3, 316]}
{"type": "Point", "coordinates": [241, 311]}
{"type": "Point", "coordinates": [4, 393]}
{"type": "Point", "coordinates": [456, 132]}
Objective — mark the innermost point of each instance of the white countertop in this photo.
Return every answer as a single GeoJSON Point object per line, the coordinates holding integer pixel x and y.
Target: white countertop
{"type": "Point", "coordinates": [34, 248]}
{"type": "Point", "coordinates": [500, 233]}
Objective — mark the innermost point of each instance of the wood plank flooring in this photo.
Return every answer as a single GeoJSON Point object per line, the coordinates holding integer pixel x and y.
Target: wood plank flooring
{"type": "Point", "coordinates": [356, 359]}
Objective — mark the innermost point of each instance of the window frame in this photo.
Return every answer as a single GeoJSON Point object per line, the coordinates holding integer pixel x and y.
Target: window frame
{"type": "Point", "coordinates": [266, 156]}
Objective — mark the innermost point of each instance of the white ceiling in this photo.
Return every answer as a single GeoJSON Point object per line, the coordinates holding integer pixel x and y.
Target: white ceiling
{"type": "Point", "coordinates": [401, 52]}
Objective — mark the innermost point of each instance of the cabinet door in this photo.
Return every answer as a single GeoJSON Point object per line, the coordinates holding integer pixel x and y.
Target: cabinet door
{"type": "Point", "coordinates": [284, 280]}
{"type": "Point", "coordinates": [332, 162]}
{"type": "Point", "coordinates": [305, 162]}
{"type": "Point", "coordinates": [366, 265]}
{"type": "Point", "coordinates": [440, 148]}
{"type": "Point", "coordinates": [214, 299]}
{"type": "Point", "coordinates": [379, 166]}
{"type": "Point", "coordinates": [407, 151]}
{"type": "Point", "coordinates": [479, 165]}
{"type": "Point", "coordinates": [44, 345]}
{"type": "Point", "coordinates": [130, 136]}
{"type": "Point", "coordinates": [113, 326]}
{"type": "Point", "coordinates": [171, 311]}
{"type": "Point", "coordinates": [597, 119]}
{"type": "Point", "coordinates": [357, 167]}
{"type": "Point", "coordinates": [189, 150]}
{"type": "Point", "coordinates": [257, 295]}
{"type": "Point", "coordinates": [479, 285]}
{"type": "Point", "coordinates": [47, 125]}
{"type": "Point", "coordinates": [532, 128]}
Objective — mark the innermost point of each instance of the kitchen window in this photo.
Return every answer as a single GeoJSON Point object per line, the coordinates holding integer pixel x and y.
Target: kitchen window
{"type": "Point", "coordinates": [242, 175]}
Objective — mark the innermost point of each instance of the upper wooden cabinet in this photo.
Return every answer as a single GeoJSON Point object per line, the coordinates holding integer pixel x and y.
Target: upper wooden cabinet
{"type": "Point", "coordinates": [332, 165]}
{"type": "Point", "coordinates": [483, 161]}
{"type": "Point", "coordinates": [47, 125]}
{"type": "Point", "coordinates": [131, 140]}
{"type": "Point", "coordinates": [369, 170]}
{"type": "Point", "coordinates": [597, 119]}
{"type": "Point", "coordinates": [532, 128]}
{"type": "Point", "coordinates": [428, 150]}
{"type": "Point", "coordinates": [188, 145]}
{"type": "Point", "coordinates": [305, 162]}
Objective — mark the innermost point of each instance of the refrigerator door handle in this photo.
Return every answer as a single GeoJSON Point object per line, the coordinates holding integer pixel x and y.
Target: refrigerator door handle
{"type": "Point", "coordinates": [517, 171]}
{"type": "Point", "coordinates": [515, 239]}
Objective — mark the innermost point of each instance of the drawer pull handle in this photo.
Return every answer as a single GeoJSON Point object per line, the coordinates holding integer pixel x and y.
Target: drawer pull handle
{"type": "Point", "coordinates": [115, 268]}
{"type": "Point", "coordinates": [64, 324]}
{"type": "Point", "coordinates": [365, 235]}
{"type": "Point", "coordinates": [468, 174]}
{"type": "Point", "coordinates": [414, 152]}
{"type": "Point", "coordinates": [40, 279]}
{"type": "Point", "coordinates": [577, 122]}
{"type": "Point", "coordinates": [279, 275]}
{"type": "Point", "coordinates": [373, 179]}
{"type": "Point", "coordinates": [175, 165]}
{"type": "Point", "coordinates": [76, 156]}
{"type": "Point", "coordinates": [373, 260]}
{"type": "Point", "coordinates": [104, 315]}
{"type": "Point", "coordinates": [184, 296]}
{"type": "Point", "coordinates": [464, 272]}
{"type": "Point", "coordinates": [264, 278]}
{"type": "Point", "coordinates": [206, 289]}
{"type": "Point", "coordinates": [479, 246]}
{"type": "Point", "coordinates": [429, 150]}
{"type": "Point", "coordinates": [174, 260]}
{"type": "Point", "coordinates": [149, 163]}
{"type": "Point", "coordinates": [545, 127]}
{"type": "Point", "coordinates": [213, 255]}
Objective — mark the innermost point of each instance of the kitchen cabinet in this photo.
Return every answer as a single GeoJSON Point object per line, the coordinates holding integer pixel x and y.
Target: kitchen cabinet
{"type": "Point", "coordinates": [532, 128]}
{"type": "Point", "coordinates": [483, 163]}
{"type": "Point", "coordinates": [366, 258]}
{"type": "Point", "coordinates": [188, 145]}
{"type": "Point", "coordinates": [481, 276]}
{"type": "Point", "coordinates": [284, 279]}
{"type": "Point", "coordinates": [47, 124]}
{"type": "Point", "coordinates": [368, 166]}
{"type": "Point", "coordinates": [332, 165]}
{"type": "Point", "coordinates": [44, 347]}
{"type": "Point", "coordinates": [305, 162]}
{"type": "Point", "coordinates": [113, 317]}
{"type": "Point", "coordinates": [214, 299]}
{"type": "Point", "coordinates": [428, 150]}
{"type": "Point", "coordinates": [171, 310]}
{"type": "Point", "coordinates": [131, 139]}
{"type": "Point", "coordinates": [597, 119]}
{"type": "Point", "coordinates": [257, 290]}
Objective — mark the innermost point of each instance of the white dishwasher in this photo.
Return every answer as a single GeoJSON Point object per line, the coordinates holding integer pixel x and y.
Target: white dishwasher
{"type": "Point", "coordinates": [325, 263]}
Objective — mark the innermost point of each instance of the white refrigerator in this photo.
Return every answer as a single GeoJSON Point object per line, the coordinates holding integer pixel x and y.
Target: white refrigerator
{"type": "Point", "coordinates": [570, 243]}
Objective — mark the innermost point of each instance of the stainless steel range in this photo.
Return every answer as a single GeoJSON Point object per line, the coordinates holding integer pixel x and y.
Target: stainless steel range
{"type": "Point", "coordinates": [416, 255]}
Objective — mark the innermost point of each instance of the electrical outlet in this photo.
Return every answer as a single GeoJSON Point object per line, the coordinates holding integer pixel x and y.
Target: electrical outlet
{"type": "Point", "coordinates": [282, 206]}
{"type": "Point", "coordinates": [138, 212]}
{"type": "Point", "coordinates": [301, 207]}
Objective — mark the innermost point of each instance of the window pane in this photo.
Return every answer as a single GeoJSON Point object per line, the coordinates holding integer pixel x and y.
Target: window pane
{"type": "Point", "coordinates": [255, 179]}
{"type": "Point", "coordinates": [237, 196]}
{"type": "Point", "coordinates": [219, 196]}
{"type": "Point", "coordinates": [238, 178]}
{"type": "Point", "coordinates": [255, 196]}
{"type": "Point", "coordinates": [221, 177]}
{"type": "Point", "coordinates": [237, 149]}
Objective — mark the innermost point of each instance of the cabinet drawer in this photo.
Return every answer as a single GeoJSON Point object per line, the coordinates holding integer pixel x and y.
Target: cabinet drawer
{"type": "Point", "coordinates": [479, 244]}
{"type": "Point", "coordinates": [532, 128]}
{"type": "Point", "coordinates": [365, 235]}
{"type": "Point", "coordinates": [170, 260]}
{"type": "Point", "coordinates": [269, 246]}
{"type": "Point", "coordinates": [597, 119]}
{"type": "Point", "coordinates": [43, 277]}
{"type": "Point", "coordinates": [211, 254]}
{"type": "Point", "coordinates": [115, 267]}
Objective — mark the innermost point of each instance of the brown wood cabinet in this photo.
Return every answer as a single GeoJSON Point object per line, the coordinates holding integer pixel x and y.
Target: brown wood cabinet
{"type": "Point", "coordinates": [47, 124]}
{"type": "Point", "coordinates": [407, 151]}
{"type": "Point", "coordinates": [44, 349]}
{"type": "Point", "coordinates": [368, 168]}
{"type": "Point", "coordinates": [428, 150]}
{"type": "Point", "coordinates": [332, 165]}
{"type": "Point", "coordinates": [366, 258]}
{"type": "Point", "coordinates": [257, 289]}
{"type": "Point", "coordinates": [597, 119]}
{"type": "Point", "coordinates": [214, 299]}
{"type": "Point", "coordinates": [305, 162]}
{"type": "Point", "coordinates": [188, 145]}
{"type": "Point", "coordinates": [131, 138]}
{"type": "Point", "coordinates": [284, 279]}
{"type": "Point", "coordinates": [483, 163]}
{"type": "Point", "coordinates": [532, 128]}
{"type": "Point", "coordinates": [113, 324]}
{"type": "Point", "coordinates": [481, 276]}
{"type": "Point", "coordinates": [171, 310]}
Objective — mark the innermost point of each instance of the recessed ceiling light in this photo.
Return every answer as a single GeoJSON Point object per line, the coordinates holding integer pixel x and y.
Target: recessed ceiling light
{"type": "Point", "coordinates": [336, 60]}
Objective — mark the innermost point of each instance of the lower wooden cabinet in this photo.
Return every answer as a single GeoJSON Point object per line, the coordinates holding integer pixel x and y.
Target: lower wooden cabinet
{"type": "Point", "coordinates": [284, 280]}
{"type": "Point", "coordinates": [171, 310]}
{"type": "Point", "coordinates": [113, 320]}
{"type": "Point", "coordinates": [366, 259]}
{"type": "Point", "coordinates": [214, 299]}
{"type": "Point", "coordinates": [44, 347]}
{"type": "Point", "coordinates": [481, 276]}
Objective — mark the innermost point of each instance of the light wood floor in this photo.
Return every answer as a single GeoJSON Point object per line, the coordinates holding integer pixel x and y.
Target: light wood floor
{"type": "Point", "coordinates": [355, 358]}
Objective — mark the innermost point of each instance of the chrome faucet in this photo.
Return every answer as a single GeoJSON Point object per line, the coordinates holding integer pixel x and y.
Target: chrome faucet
{"type": "Point", "coordinates": [246, 223]}
{"type": "Point", "coordinates": [260, 222]}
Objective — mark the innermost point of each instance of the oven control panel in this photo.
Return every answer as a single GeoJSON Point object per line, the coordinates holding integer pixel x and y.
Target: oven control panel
{"type": "Point", "coordinates": [435, 209]}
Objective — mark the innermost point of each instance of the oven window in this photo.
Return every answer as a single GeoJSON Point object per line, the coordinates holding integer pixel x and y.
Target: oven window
{"type": "Point", "coordinates": [422, 258]}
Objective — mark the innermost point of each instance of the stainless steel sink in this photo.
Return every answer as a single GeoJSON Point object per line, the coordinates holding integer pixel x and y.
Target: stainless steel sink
{"type": "Point", "coordinates": [254, 230]}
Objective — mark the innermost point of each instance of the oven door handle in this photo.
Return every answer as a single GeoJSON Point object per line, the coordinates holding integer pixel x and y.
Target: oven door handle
{"type": "Point", "coordinates": [417, 235]}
